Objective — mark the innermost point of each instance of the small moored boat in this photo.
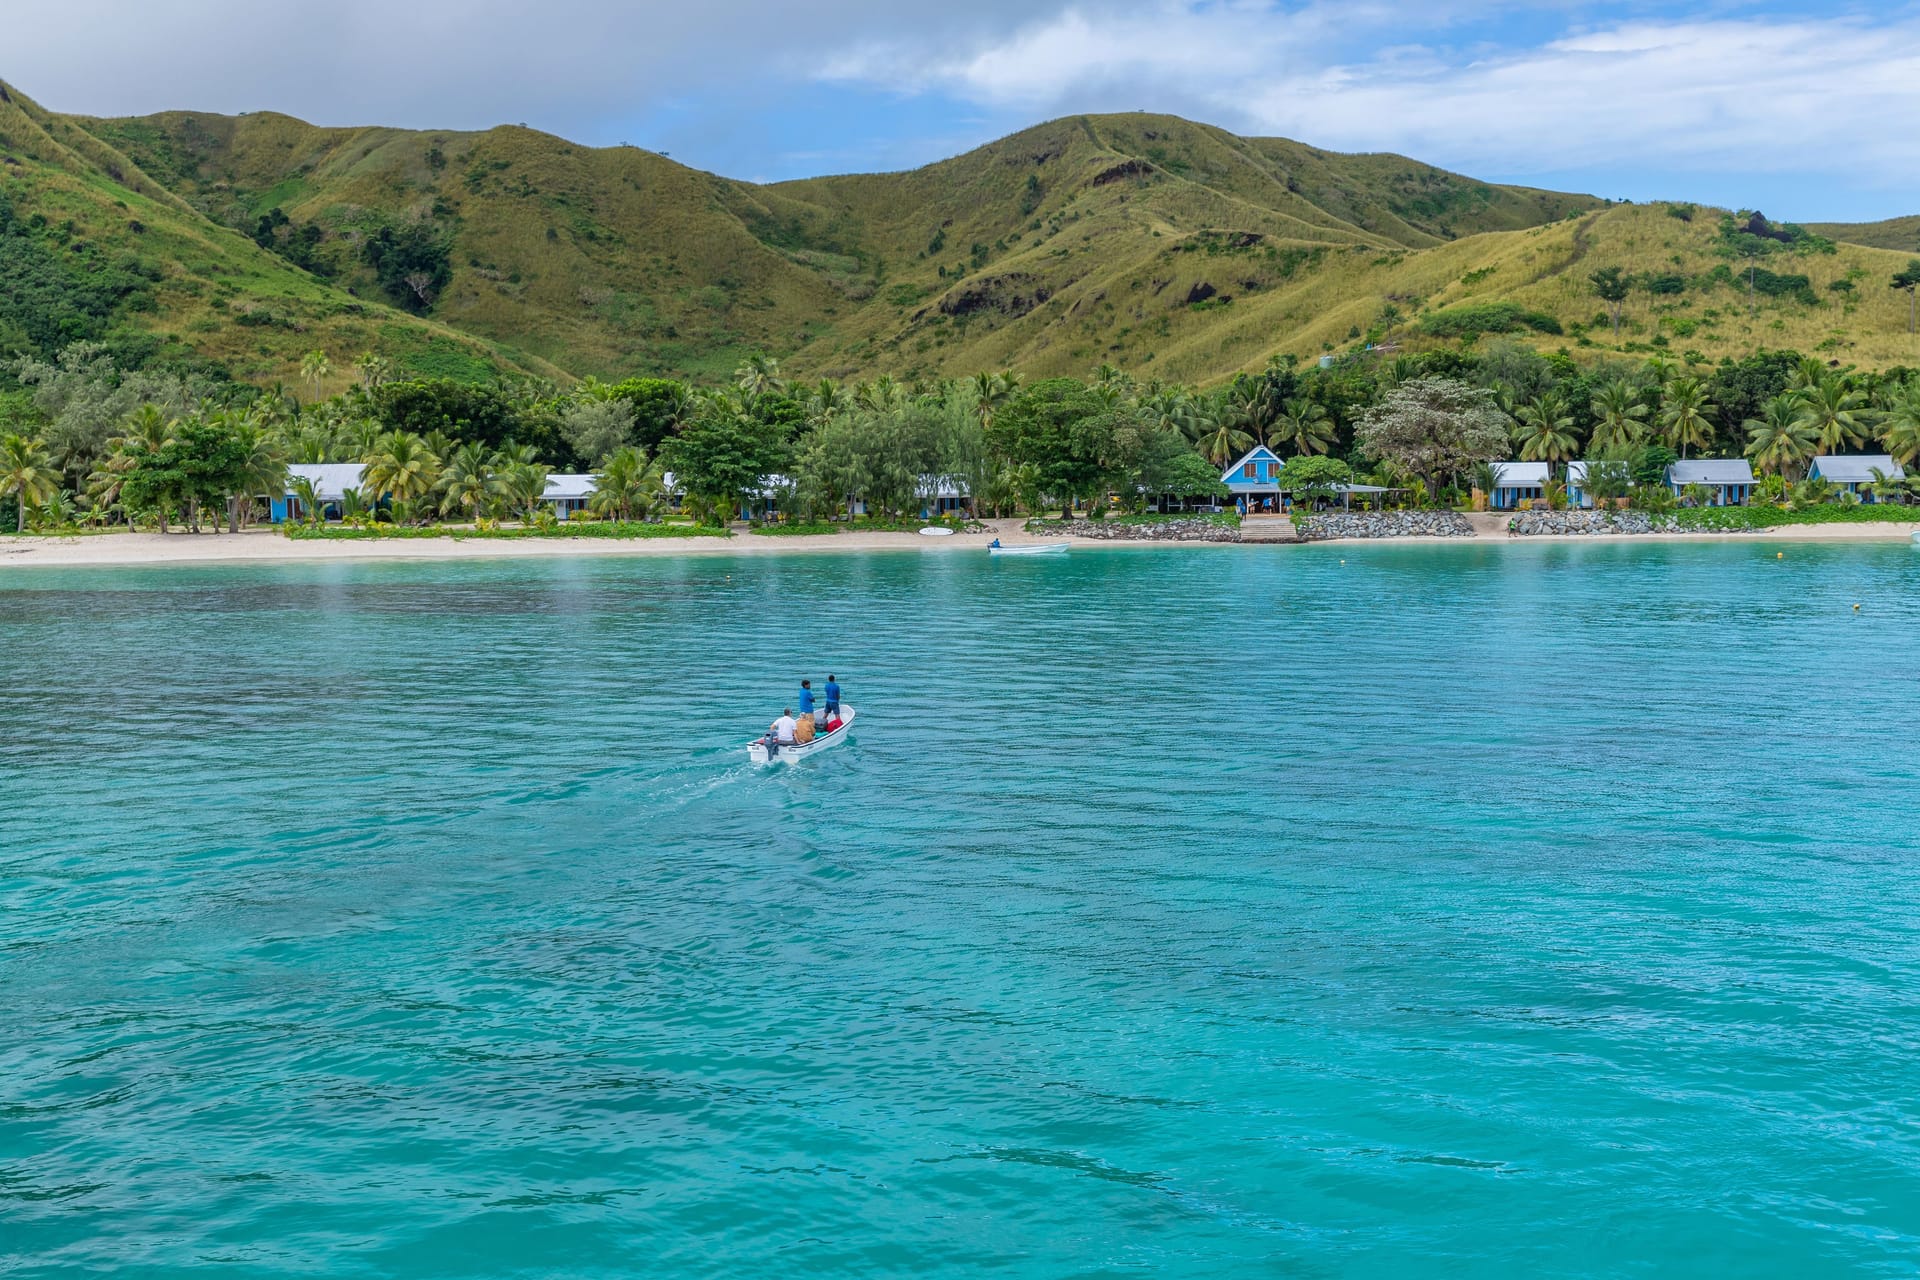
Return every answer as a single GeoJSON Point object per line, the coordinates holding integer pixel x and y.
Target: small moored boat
{"type": "Point", "coordinates": [1027, 549]}
{"type": "Point", "coordinates": [759, 753]}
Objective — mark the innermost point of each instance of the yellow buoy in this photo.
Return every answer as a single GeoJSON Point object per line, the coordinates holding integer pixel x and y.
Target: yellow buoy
{"type": "Point", "coordinates": [1779, 555]}
{"type": "Point", "coordinates": [1856, 608]}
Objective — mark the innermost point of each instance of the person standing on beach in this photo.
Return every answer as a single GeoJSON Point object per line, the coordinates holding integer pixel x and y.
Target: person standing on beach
{"type": "Point", "coordinates": [833, 697]}
{"type": "Point", "coordinates": [806, 697]}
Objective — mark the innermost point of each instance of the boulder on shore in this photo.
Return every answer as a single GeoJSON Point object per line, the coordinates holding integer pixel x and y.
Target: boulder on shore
{"type": "Point", "coordinates": [1329, 525]}
{"type": "Point", "coordinates": [1197, 529]}
{"type": "Point", "coordinates": [1587, 523]}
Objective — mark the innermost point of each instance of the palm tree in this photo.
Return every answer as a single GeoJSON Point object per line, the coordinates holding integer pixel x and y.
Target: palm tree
{"type": "Point", "coordinates": [1248, 403]}
{"type": "Point", "coordinates": [401, 467]}
{"type": "Point", "coordinates": [469, 482]}
{"type": "Point", "coordinates": [626, 485]}
{"type": "Point", "coordinates": [306, 491]}
{"type": "Point", "coordinates": [1485, 477]}
{"type": "Point", "coordinates": [1686, 418]}
{"type": "Point", "coordinates": [1620, 416]}
{"type": "Point", "coordinates": [824, 401]}
{"type": "Point", "coordinates": [263, 471]}
{"type": "Point", "coordinates": [1837, 414]}
{"type": "Point", "coordinates": [880, 393]}
{"type": "Point", "coordinates": [1815, 491]}
{"type": "Point", "coordinates": [524, 484]}
{"type": "Point", "coordinates": [1545, 432]}
{"type": "Point", "coordinates": [515, 455]}
{"type": "Point", "coordinates": [146, 427]}
{"type": "Point", "coordinates": [759, 375]}
{"type": "Point", "coordinates": [1304, 426]}
{"type": "Point", "coordinates": [373, 370]}
{"type": "Point", "coordinates": [1900, 428]}
{"type": "Point", "coordinates": [1808, 373]}
{"type": "Point", "coordinates": [991, 391]}
{"type": "Point", "coordinates": [1219, 438]}
{"type": "Point", "coordinates": [314, 370]}
{"type": "Point", "coordinates": [27, 473]}
{"type": "Point", "coordinates": [1779, 440]}
{"type": "Point", "coordinates": [1886, 488]}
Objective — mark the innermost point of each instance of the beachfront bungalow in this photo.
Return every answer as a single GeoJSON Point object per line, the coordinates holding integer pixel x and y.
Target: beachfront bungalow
{"type": "Point", "coordinates": [1855, 473]}
{"type": "Point", "coordinates": [331, 480]}
{"type": "Point", "coordinates": [1728, 481]}
{"type": "Point", "coordinates": [1577, 496]}
{"type": "Point", "coordinates": [1516, 482]}
{"type": "Point", "coordinates": [568, 494]}
{"type": "Point", "coordinates": [1255, 478]}
{"type": "Point", "coordinates": [943, 496]}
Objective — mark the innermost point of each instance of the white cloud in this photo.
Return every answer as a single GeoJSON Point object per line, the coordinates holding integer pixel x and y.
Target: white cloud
{"type": "Point", "coordinates": [1508, 88]}
{"type": "Point", "coordinates": [1823, 97]}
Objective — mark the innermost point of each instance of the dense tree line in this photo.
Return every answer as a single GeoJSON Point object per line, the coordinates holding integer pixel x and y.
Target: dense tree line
{"type": "Point", "coordinates": [90, 440]}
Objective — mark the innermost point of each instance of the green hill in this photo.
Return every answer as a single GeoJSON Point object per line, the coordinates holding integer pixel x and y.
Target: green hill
{"type": "Point", "coordinates": [1901, 234]}
{"type": "Point", "coordinates": [92, 247]}
{"type": "Point", "coordinates": [1173, 248]}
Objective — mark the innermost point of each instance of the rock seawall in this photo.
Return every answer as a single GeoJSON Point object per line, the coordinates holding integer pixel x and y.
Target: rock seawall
{"type": "Point", "coordinates": [1199, 530]}
{"type": "Point", "coordinates": [1589, 523]}
{"type": "Point", "coordinates": [1330, 525]}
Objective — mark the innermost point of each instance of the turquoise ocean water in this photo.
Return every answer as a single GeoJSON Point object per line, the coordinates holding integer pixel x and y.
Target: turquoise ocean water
{"type": "Point", "coordinates": [1518, 910]}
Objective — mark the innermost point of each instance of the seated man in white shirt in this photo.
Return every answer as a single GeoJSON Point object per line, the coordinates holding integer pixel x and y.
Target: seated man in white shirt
{"type": "Point", "coordinates": [780, 733]}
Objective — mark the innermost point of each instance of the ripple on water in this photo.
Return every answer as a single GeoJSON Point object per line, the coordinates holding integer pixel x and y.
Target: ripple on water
{"type": "Point", "coordinates": [1523, 910]}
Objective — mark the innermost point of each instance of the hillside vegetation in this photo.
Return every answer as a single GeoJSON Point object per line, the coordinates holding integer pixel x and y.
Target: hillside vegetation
{"type": "Point", "coordinates": [92, 248]}
{"type": "Point", "coordinates": [1899, 234]}
{"type": "Point", "coordinates": [1175, 249]}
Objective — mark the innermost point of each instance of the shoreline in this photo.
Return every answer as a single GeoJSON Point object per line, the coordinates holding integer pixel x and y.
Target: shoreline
{"type": "Point", "coordinates": [268, 546]}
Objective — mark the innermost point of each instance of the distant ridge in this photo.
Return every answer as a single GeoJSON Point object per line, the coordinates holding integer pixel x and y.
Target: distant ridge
{"type": "Point", "coordinates": [1176, 249]}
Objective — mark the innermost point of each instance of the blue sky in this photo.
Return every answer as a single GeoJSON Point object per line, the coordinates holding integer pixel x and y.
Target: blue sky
{"type": "Point", "coordinates": [1805, 111]}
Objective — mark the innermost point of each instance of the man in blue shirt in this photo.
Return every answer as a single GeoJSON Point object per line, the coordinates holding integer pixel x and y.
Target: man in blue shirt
{"type": "Point", "coordinates": [833, 698]}
{"type": "Point", "coordinates": [806, 697]}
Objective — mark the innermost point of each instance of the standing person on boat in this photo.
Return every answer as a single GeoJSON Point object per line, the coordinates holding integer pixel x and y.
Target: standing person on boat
{"type": "Point", "coordinates": [806, 697]}
{"type": "Point", "coordinates": [780, 733]}
{"type": "Point", "coordinates": [833, 697]}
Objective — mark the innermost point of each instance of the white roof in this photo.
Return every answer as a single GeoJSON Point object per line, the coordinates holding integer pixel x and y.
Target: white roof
{"type": "Point", "coordinates": [1521, 475]}
{"type": "Point", "coordinates": [942, 487]}
{"type": "Point", "coordinates": [1577, 471]}
{"type": "Point", "coordinates": [568, 486]}
{"type": "Point", "coordinates": [330, 479]}
{"type": "Point", "coordinates": [1856, 468]}
{"type": "Point", "coordinates": [1710, 471]}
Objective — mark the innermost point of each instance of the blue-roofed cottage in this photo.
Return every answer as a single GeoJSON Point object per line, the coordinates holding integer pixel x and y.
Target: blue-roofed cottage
{"type": "Point", "coordinates": [1728, 481]}
{"type": "Point", "coordinates": [1517, 482]}
{"type": "Point", "coordinates": [1855, 473]}
{"type": "Point", "coordinates": [1255, 477]}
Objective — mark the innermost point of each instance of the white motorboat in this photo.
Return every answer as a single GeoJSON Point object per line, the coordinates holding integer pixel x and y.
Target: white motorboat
{"type": "Point", "coordinates": [760, 753]}
{"type": "Point", "coordinates": [1028, 549]}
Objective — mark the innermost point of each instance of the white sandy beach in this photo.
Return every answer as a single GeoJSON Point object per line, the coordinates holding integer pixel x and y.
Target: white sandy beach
{"type": "Point", "coordinates": [262, 545]}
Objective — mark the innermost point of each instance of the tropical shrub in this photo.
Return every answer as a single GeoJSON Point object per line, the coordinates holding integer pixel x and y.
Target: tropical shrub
{"type": "Point", "coordinates": [1472, 319]}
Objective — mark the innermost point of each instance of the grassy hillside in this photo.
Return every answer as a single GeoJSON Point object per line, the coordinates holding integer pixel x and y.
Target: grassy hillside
{"type": "Point", "coordinates": [1901, 234]}
{"type": "Point", "coordinates": [93, 247]}
{"type": "Point", "coordinates": [1173, 248]}
{"type": "Point", "coordinates": [612, 260]}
